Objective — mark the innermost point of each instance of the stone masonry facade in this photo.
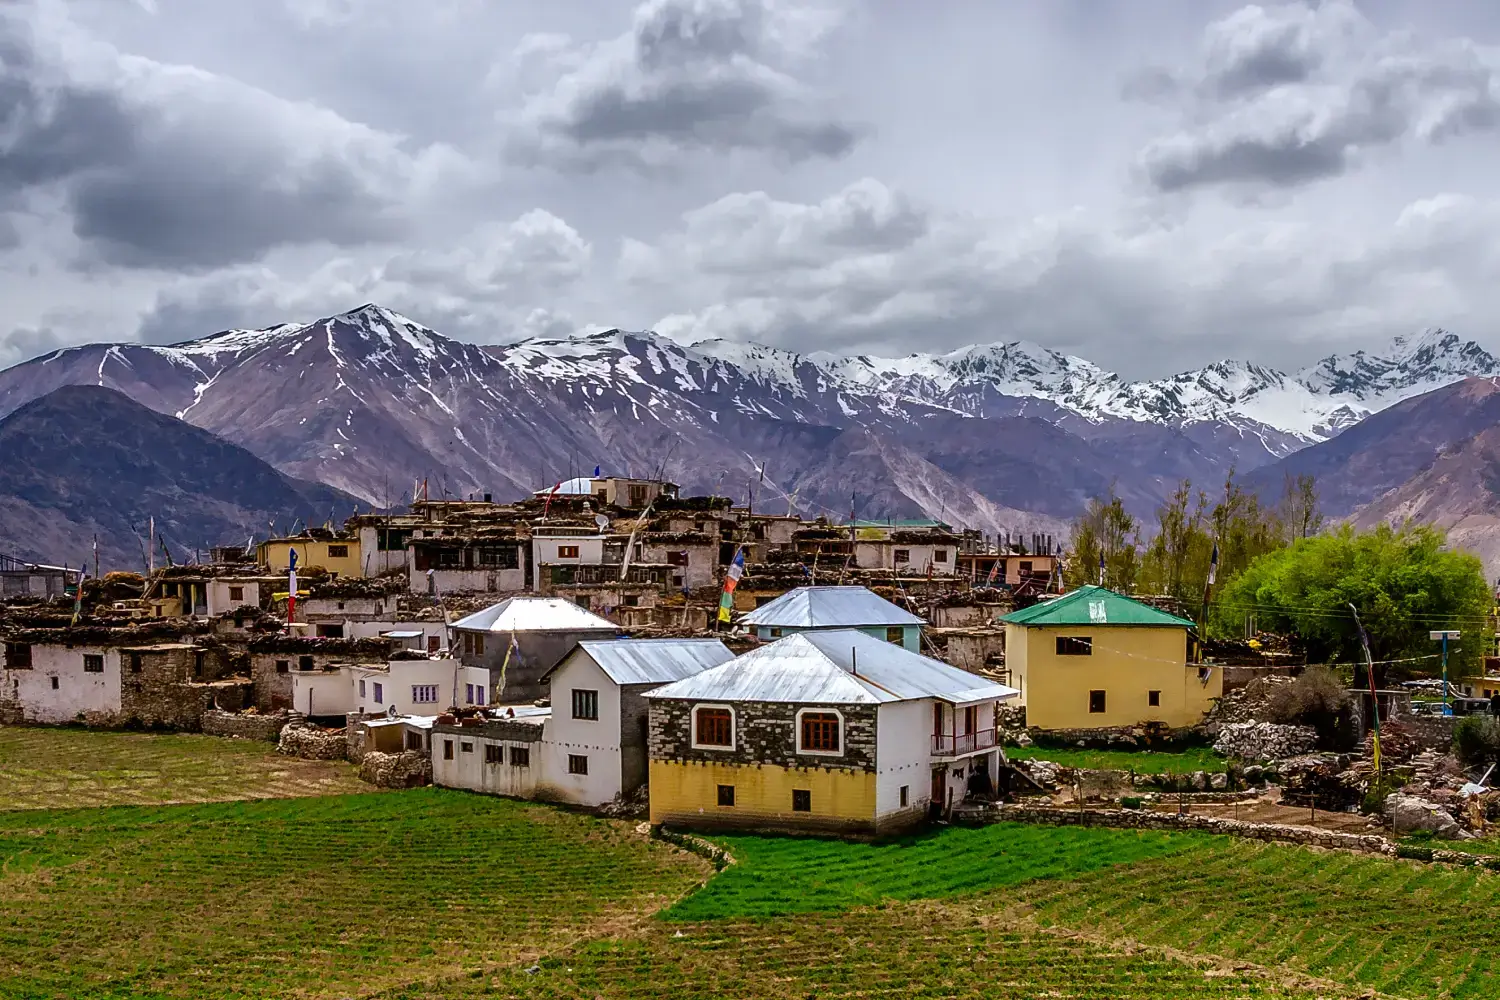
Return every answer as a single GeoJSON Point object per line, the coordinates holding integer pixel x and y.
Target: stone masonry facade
{"type": "Point", "coordinates": [765, 733]}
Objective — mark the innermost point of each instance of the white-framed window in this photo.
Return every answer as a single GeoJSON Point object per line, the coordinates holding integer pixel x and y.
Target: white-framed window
{"type": "Point", "coordinates": [820, 731]}
{"type": "Point", "coordinates": [713, 727]}
{"type": "Point", "coordinates": [424, 694]}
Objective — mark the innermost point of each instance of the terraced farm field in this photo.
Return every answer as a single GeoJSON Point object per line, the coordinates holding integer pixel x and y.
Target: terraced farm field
{"type": "Point", "coordinates": [44, 768]}
{"type": "Point", "coordinates": [327, 897]}
{"type": "Point", "coordinates": [1139, 761]}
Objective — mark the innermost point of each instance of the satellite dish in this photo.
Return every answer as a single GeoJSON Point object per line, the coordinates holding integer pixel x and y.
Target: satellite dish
{"type": "Point", "coordinates": [602, 521]}
{"type": "Point", "coordinates": [391, 712]}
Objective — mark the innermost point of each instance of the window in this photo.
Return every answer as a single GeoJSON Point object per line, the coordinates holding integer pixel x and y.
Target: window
{"type": "Point", "coordinates": [905, 796]}
{"type": "Point", "coordinates": [494, 754]}
{"type": "Point", "coordinates": [1072, 645]}
{"type": "Point", "coordinates": [501, 558]}
{"type": "Point", "coordinates": [1025, 568]}
{"type": "Point", "coordinates": [468, 694]}
{"type": "Point", "coordinates": [391, 540]}
{"type": "Point", "coordinates": [54, 683]}
{"type": "Point", "coordinates": [1153, 698]}
{"type": "Point", "coordinates": [819, 732]}
{"type": "Point", "coordinates": [801, 800]}
{"type": "Point", "coordinates": [338, 552]}
{"type": "Point", "coordinates": [18, 655]}
{"type": "Point", "coordinates": [282, 666]}
{"type": "Point", "coordinates": [93, 663]}
{"type": "Point", "coordinates": [520, 756]}
{"type": "Point", "coordinates": [421, 694]}
{"type": "Point", "coordinates": [637, 496]}
{"type": "Point", "coordinates": [413, 741]}
{"type": "Point", "coordinates": [434, 643]}
{"type": "Point", "coordinates": [582, 600]}
{"type": "Point", "coordinates": [585, 704]}
{"type": "Point", "coordinates": [236, 593]}
{"type": "Point", "coordinates": [677, 558]}
{"type": "Point", "coordinates": [135, 664]}
{"type": "Point", "coordinates": [379, 694]}
{"type": "Point", "coordinates": [361, 687]}
{"type": "Point", "coordinates": [896, 634]}
{"type": "Point", "coordinates": [726, 795]}
{"type": "Point", "coordinates": [331, 631]}
{"type": "Point", "coordinates": [473, 644]}
{"type": "Point", "coordinates": [304, 663]}
{"type": "Point", "coordinates": [479, 694]}
{"type": "Point", "coordinates": [567, 552]}
{"type": "Point", "coordinates": [632, 600]}
{"type": "Point", "coordinates": [902, 556]}
{"type": "Point", "coordinates": [1096, 702]}
{"type": "Point", "coordinates": [940, 555]}
{"type": "Point", "coordinates": [775, 633]}
{"type": "Point", "coordinates": [578, 764]}
{"type": "Point", "coordinates": [713, 727]}
{"type": "Point", "coordinates": [466, 747]}
{"type": "Point", "coordinates": [447, 749]}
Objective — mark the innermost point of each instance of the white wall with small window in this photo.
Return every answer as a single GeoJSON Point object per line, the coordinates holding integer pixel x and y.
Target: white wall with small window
{"type": "Point", "coordinates": [228, 593]}
{"type": "Point", "coordinates": [585, 724]}
{"type": "Point", "coordinates": [495, 767]}
{"type": "Point", "coordinates": [903, 757]}
{"type": "Point", "coordinates": [61, 683]}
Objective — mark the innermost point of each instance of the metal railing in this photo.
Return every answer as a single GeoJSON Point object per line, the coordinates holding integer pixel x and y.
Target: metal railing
{"type": "Point", "coordinates": [951, 745]}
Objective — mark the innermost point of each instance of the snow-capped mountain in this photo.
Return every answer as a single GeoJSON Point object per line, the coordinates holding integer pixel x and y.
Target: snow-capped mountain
{"type": "Point", "coordinates": [1008, 436]}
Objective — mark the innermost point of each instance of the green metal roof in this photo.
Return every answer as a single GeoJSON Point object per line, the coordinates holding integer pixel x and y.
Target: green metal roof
{"type": "Point", "coordinates": [1094, 606]}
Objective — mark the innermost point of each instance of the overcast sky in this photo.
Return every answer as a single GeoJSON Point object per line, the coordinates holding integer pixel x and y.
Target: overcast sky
{"type": "Point", "coordinates": [1151, 184]}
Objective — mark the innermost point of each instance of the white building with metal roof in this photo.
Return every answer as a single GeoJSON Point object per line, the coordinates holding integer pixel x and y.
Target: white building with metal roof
{"type": "Point", "coordinates": [813, 608]}
{"type": "Point", "coordinates": [521, 638]}
{"type": "Point", "coordinates": [836, 731]}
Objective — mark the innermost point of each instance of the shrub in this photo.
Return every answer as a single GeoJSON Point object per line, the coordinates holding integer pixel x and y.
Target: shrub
{"type": "Point", "coordinates": [1131, 802]}
{"type": "Point", "coordinates": [1317, 698]}
{"type": "Point", "coordinates": [1476, 740]}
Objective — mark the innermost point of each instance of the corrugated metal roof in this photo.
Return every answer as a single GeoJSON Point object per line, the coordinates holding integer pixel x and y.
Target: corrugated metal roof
{"type": "Point", "coordinates": [837, 667]}
{"type": "Point", "coordinates": [655, 661]}
{"type": "Point", "coordinates": [534, 614]}
{"type": "Point", "coordinates": [830, 607]}
{"type": "Point", "coordinates": [1094, 606]}
{"type": "Point", "coordinates": [583, 486]}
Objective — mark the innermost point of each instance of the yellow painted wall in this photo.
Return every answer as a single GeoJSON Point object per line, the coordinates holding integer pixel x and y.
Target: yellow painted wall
{"type": "Point", "coordinates": [687, 794]}
{"type": "Point", "coordinates": [1126, 664]}
{"type": "Point", "coordinates": [273, 555]}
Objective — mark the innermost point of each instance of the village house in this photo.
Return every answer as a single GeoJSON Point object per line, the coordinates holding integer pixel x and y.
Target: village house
{"type": "Point", "coordinates": [492, 752]}
{"type": "Point", "coordinates": [207, 591]}
{"type": "Point", "coordinates": [1095, 659]}
{"type": "Point", "coordinates": [1022, 573]}
{"type": "Point", "coordinates": [827, 731]}
{"type": "Point", "coordinates": [93, 677]}
{"type": "Point", "coordinates": [275, 659]}
{"type": "Point", "coordinates": [488, 561]}
{"type": "Point", "coordinates": [616, 491]}
{"type": "Point", "coordinates": [19, 578]}
{"type": "Point", "coordinates": [906, 548]}
{"type": "Point", "coordinates": [521, 638]}
{"type": "Point", "coordinates": [333, 612]}
{"type": "Point", "coordinates": [809, 609]}
{"type": "Point", "coordinates": [692, 557]}
{"type": "Point", "coordinates": [337, 553]}
{"type": "Point", "coordinates": [408, 684]}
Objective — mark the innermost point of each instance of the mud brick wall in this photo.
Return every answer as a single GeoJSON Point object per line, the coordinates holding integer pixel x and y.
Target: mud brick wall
{"type": "Point", "coordinates": [765, 733]}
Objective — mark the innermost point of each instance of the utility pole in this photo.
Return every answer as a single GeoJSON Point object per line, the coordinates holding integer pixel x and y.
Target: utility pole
{"type": "Point", "coordinates": [1444, 636]}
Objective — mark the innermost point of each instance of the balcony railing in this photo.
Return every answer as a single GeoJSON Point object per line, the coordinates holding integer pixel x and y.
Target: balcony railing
{"type": "Point", "coordinates": [951, 745]}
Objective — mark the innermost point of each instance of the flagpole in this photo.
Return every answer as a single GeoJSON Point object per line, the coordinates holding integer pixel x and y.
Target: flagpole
{"type": "Point", "coordinates": [1364, 642]}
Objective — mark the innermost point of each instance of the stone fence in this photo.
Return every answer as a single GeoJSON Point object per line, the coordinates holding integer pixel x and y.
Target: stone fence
{"type": "Point", "coordinates": [248, 727]}
{"type": "Point", "coordinates": [313, 744]}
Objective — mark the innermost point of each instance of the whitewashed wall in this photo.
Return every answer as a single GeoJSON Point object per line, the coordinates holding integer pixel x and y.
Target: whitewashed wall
{"type": "Point", "coordinates": [903, 738]}
{"type": "Point", "coordinates": [599, 741]}
{"type": "Point", "coordinates": [77, 692]}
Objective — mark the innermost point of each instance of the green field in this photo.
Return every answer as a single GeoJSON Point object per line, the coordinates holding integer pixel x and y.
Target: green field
{"type": "Point", "coordinates": [44, 768]}
{"type": "Point", "coordinates": [428, 894]}
{"type": "Point", "coordinates": [1139, 761]}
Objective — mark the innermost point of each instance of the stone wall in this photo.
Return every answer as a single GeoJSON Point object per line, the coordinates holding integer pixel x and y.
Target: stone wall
{"type": "Point", "coordinates": [248, 727]}
{"type": "Point", "coordinates": [407, 769]}
{"type": "Point", "coordinates": [313, 744]}
{"type": "Point", "coordinates": [635, 716]}
{"type": "Point", "coordinates": [765, 733]}
{"type": "Point", "coordinates": [1138, 819]}
{"type": "Point", "coordinates": [1431, 732]}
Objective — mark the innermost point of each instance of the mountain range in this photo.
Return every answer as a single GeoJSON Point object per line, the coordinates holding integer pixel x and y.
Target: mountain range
{"type": "Point", "coordinates": [1006, 436]}
{"type": "Point", "coordinates": [85, 462]}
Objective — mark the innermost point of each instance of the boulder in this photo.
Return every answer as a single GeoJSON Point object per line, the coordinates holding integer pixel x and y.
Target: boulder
{"type": "Point", "coordinates": [1218, 782]}
{"type": "Point", "coordinates": [1409, 814]}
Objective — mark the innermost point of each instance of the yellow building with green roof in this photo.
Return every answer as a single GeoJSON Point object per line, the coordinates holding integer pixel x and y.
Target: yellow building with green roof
{"type": "Point", "coordinates": [1095, 659]}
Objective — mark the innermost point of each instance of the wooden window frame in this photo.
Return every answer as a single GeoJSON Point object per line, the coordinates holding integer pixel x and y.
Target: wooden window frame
{"type": "Point", "coordinates": [93, 663]}
{"type": "Point", "coordinates": [1075, 645]}
{"type": "Point", "coordinates": [819, 734]}
{"type": "Point", "coordinates": [567, 552]}
{"type": "Point", "coordinates": [520, 756]}
{"type": "Point", "coordinates": [728, 710]}
{"type": "Point", "coordinates": [578, 764]}
{"type": "Point", "coordinates": [802, 800]}
{"type": "Point", "coordinates": [585, 704]}
{"type": "Point", "coordinates": [726, 796]}
{"type": "Point", "coordinates": [1153, 699]}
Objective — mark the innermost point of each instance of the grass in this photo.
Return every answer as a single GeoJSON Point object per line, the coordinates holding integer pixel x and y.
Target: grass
{"type": "Point", "coordinates": [46, 768]}
{"type": "Point", "coordinates": [783, 875]}
{"type": "Point", "coordinates": [314, 897]}
{"type": "Point", "coordinates": [1139, 761]}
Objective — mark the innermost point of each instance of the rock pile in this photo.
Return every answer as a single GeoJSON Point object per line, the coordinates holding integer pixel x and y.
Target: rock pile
{"type": "Point", "coordinates": [1322, 780]}
{"type": "Point", "coordinates": [1265, 740]}
{"type": "Point", "coordinates": [313, 744]}
{"type": "Point", "coordinates": [1043, 772]}
{"type": "Point", "coordinates": [407, 769]}
{"type": "Point", "coordinates": [1247, 704]}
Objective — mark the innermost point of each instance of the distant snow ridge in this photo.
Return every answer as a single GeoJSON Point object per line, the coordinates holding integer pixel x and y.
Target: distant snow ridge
{"type": "Point", "coordinates": [645, 368]}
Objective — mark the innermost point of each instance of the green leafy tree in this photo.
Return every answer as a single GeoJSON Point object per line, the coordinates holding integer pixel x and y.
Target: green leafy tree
{"type": "Point", "coordinates": [1244, 528]}
{"type": "Point", "coordinates": [1404, 582]}
{"type": "Point", "coordinates": [1104, 526]}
